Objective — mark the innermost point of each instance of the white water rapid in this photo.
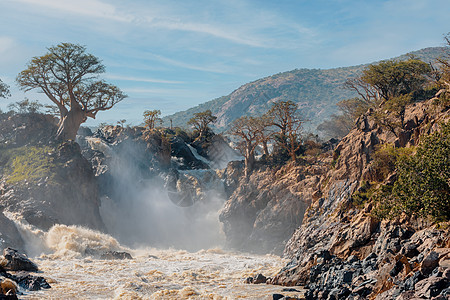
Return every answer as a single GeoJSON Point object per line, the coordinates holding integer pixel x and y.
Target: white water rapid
{"type": "Point", "coordinates": [151, 274]}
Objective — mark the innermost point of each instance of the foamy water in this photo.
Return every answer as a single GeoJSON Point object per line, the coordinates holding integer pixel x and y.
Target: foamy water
{"type": "Point", "coordinates": [70, 264]}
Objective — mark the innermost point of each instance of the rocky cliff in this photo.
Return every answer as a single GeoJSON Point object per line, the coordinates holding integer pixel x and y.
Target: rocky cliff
{"type": "Point", "coordinates": [342, 251]}
{"type": "Point", "coordinates": [264, 209]}
{"type": "Point", "coordinates": [43, 182]}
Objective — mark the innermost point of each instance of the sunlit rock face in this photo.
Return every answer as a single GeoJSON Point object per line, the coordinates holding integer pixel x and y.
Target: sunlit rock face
{"type": "Point", "coordinates": [341, 249]}
{"type": "Point", "coordinates": [43, 182]}
{"type": "Point", "coordinates": [265, 209]}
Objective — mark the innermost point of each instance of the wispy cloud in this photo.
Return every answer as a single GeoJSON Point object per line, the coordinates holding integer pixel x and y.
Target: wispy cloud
{"type": "Point", "coordinates": [218, 68]}
{"type": "Point", "coordinates": [151, 80]}
{"type": "Point", "coordinates": [89, 8]}
{"type": "Point", "coordinates": [246, 28]}
{"type": "Point", "coordinates": [212, 30]}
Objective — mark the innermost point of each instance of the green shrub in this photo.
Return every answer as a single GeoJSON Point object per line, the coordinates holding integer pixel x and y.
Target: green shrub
{"type": "Point", "coordinates": [362, 195]}
{"type": "Point", "coordinates": [385, 159]}
{"type": "Point", "coordinates": [423, 179]}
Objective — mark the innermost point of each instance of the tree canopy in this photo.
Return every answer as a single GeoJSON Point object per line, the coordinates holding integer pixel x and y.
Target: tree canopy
{"type": "Point", "coordinates": [151, 117]}
{"type": "Point", "coordinates": [4, 90]}
{"type": "Point", "coordinates": [251, 131]}
{"type": "Point", "coordinates": [389, 79]}
{"type": "Point", "coordinates": [68, 76]}
{"type": "Point", "coordinates": [200, 122]}
{"type": "Point", "coordinates": [285, 116]}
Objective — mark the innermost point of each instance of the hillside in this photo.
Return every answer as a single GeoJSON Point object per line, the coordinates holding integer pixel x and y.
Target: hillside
{"type": "Point", "coordinates": [316, 91]}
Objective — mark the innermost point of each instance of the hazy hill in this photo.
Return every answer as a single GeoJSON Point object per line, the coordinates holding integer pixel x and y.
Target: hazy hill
{"type": "Point", "coordinates": [316, 91]}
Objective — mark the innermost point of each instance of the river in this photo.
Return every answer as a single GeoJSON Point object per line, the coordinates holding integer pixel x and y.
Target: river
{"type": "Point", "coordinates": [69, 261]}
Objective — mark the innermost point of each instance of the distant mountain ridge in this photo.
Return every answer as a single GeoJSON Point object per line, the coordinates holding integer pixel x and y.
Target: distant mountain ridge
{"type": "Point", "coordinates": [315, 90]}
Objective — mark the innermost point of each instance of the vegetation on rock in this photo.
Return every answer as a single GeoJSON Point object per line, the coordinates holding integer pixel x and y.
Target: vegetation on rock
{"type": "Point", "coordinates": [422, 187]}
{"type": "Point", "coordinates": [30, 163]}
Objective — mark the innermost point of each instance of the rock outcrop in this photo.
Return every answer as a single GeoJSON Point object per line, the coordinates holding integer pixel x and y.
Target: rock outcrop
{"type": "Point", "coordinates": [9, 235]}
{"type": "Point", "coordinates": [264, 210]}
{"type": "Point", "coordinates": [341, 251]}
{"type": "Point", "coordinates": [42, 181]}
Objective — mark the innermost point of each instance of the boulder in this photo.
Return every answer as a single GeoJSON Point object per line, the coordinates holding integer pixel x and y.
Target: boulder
{"type": "Point", "coordinates": [116, 255]}
{"type": "Point", "coordinates": [260, 278]}
{"type": "Point", "coordinates": [30, 282]}
{"type": "Point", "coordinates": [430, 262]}
{"type": "Point", "coordinates": [14, 261]}
{"type": "Point", "coordinates": [429, 287]}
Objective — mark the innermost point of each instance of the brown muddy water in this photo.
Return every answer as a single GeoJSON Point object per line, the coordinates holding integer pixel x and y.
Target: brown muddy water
{"type": "Point", "coordinates": [151, 274]}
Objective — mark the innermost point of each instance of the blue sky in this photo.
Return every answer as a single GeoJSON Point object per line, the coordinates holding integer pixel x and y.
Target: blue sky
{"type": "Point", "coordinates": [172, 55]}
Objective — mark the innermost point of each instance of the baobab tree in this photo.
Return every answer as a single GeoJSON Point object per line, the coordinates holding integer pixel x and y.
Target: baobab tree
{"type": "Point", "coordinates": [200, 122]}
{"type": "Point", "coordinates": [285, 116]}
{"type": "Point", "coordinates": [247, 131]}
{"type": "Point", "coordinates": [151, 117]}
{"type": "Point", "coordinates": [68, 76]}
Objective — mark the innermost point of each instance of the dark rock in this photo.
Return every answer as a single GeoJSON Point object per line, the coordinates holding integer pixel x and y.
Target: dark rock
{"type": "Point", "coordinates": [311, 294]}
{"type": "Point", "coordinates": [396, 269]}
{"type": "Point", "coordinates": [30, 282]}
{"type": "Point", "coordinates": [363, 290]}
{"type": "Point", "coordinates": [371, 256]}
{"type": "Point", "coordinates": [439, 297]}
{"type": "Point", "coordinates": [8, 297]}
{"type": "Point", "coordinates": [289, 290]}
{"type": "Point", "coordinates": [325, 254]}
{"type": "Point", "coordinates": [429, 287]}
{"type": "Point", "coordinates": [436, 273]}
{"type": "Point", "coordinates": [430, 262]}
{"type": "Point", "coordinates": [116, 255]}
{"type": "Point", "coordinates": [9, 235]}
{"type": "Point", "coordinates": [181, 150]}
{"type": "Point", "coordinates": [408, 295]}
{"type": "Point", "coordinates": [277, 296]}
{"type": "Point", "coordinates": [260, 278]}
{"type": "Point", "coordinates": [347, 276]}
{"type": "Point", "coordinates": [410, 250]}
{"type": "Point", "coordinates": [411, 281]}
{"type": "Point", "coordinates": [249, 280]}
{"type": "Point", "coordinates": [314, 272]}
{"type": "Point", "coordinates": [15, 261]}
